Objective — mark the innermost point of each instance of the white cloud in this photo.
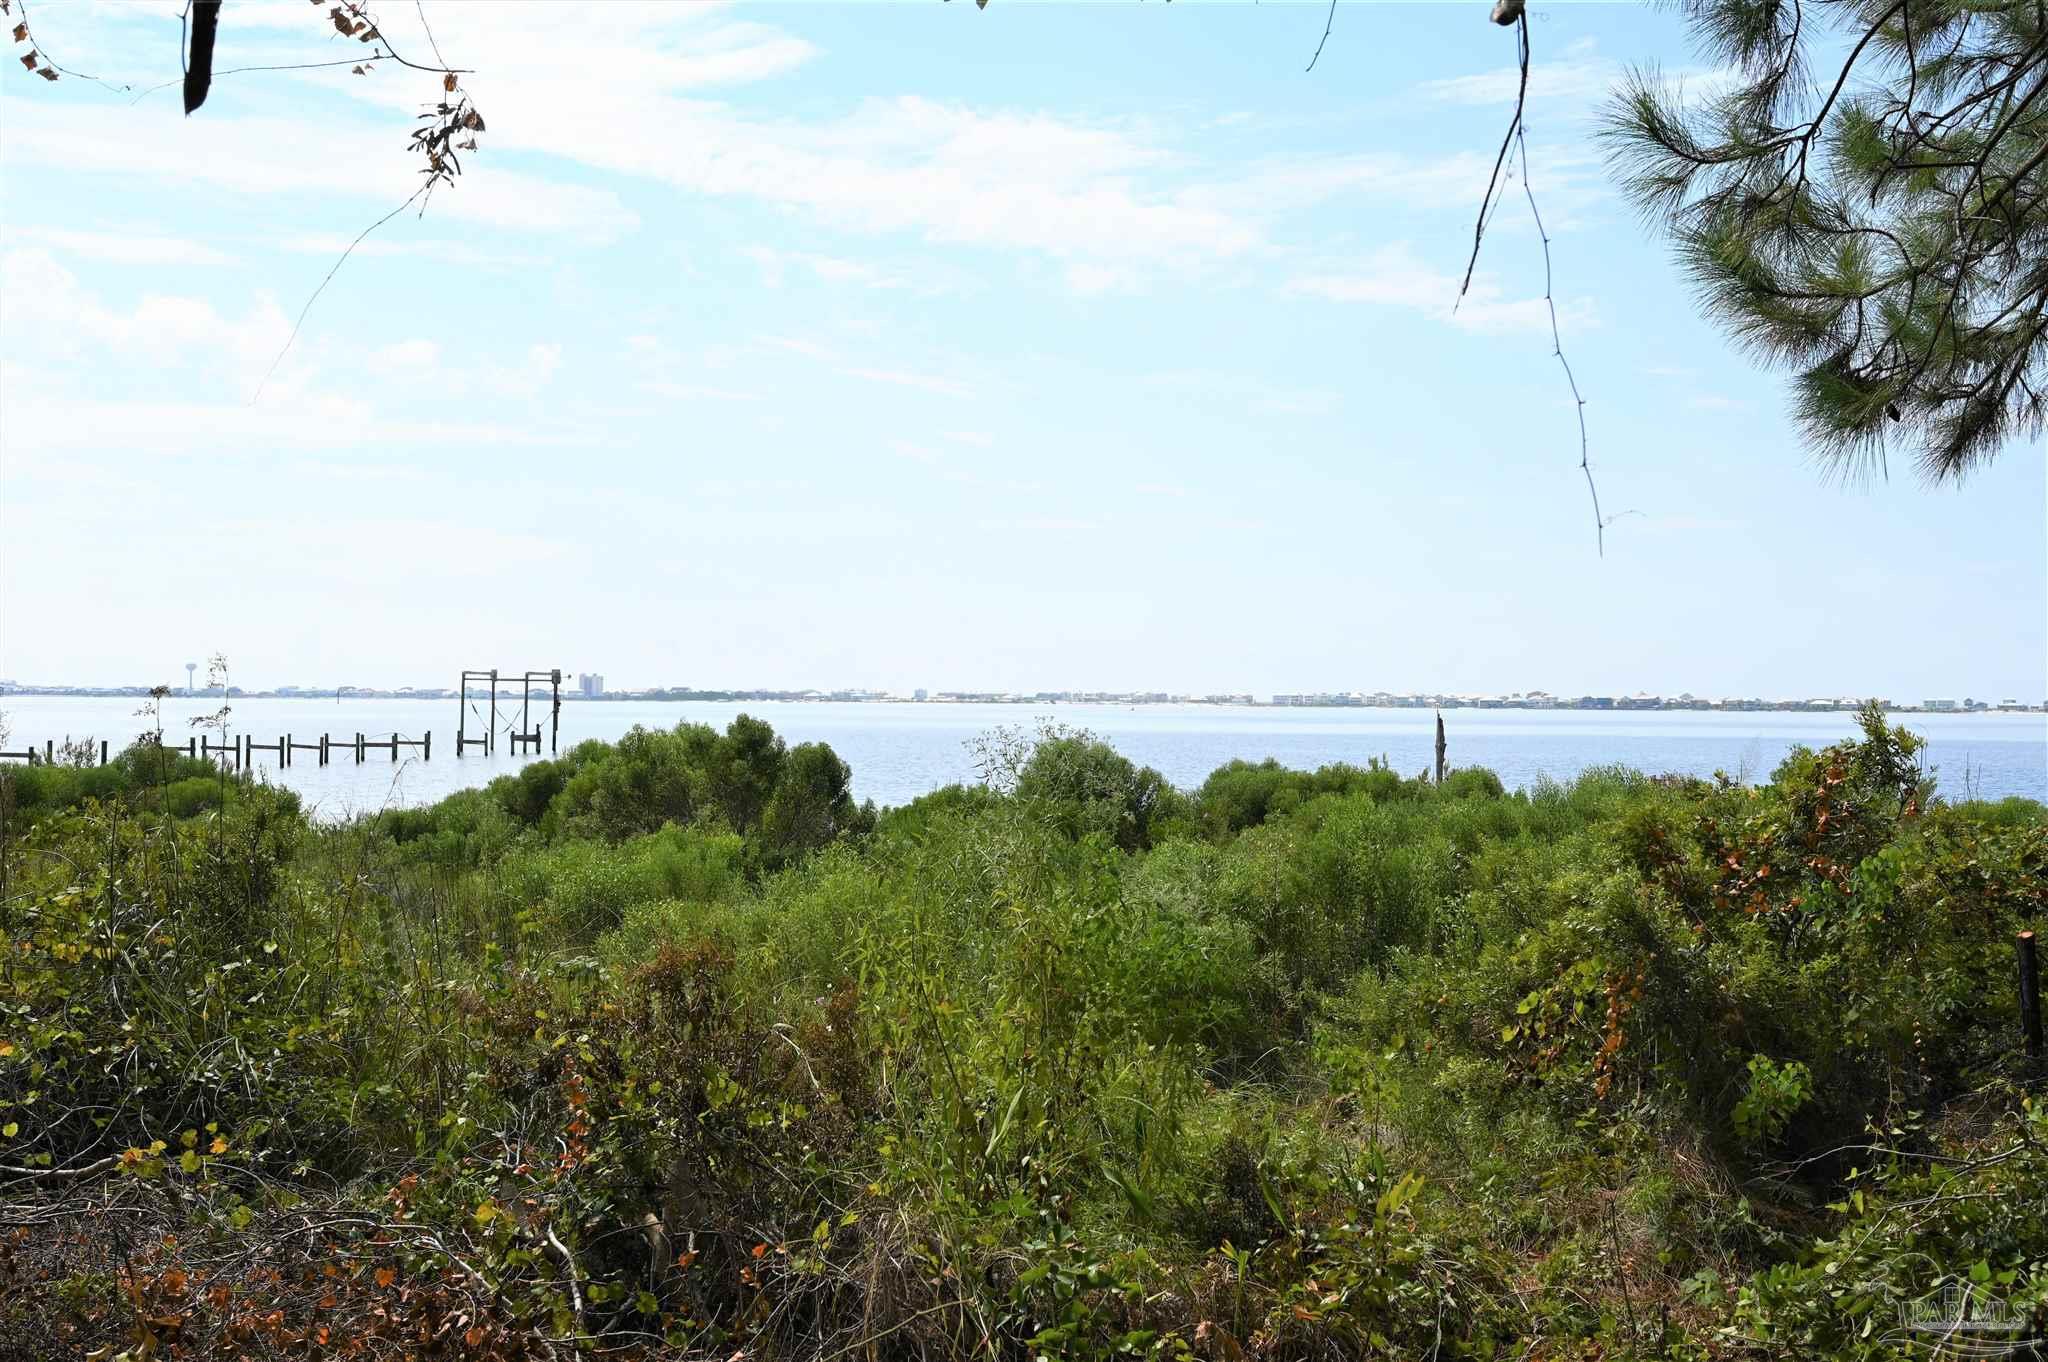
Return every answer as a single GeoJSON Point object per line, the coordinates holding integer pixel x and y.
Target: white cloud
{"type": "Point", "coordinates": [910, 449]}
{"type": "Point", "coordinates": [797, 345]}
{"type": "Point", "coordinates": [205, 366]}
{"type": "Point", "coordinates": [620, 89]}
{"type": "Point", "coordinates": [776, 264]}
{"type": "Point", "coordinates": [1578, 76]}
{"type": "Point", "coordinates": [119, 248]}
{"type": "Point", "coordinates": [51, 314]}
{"type": "Point", "coordinates": [219, 430]}
{"type": "Point", "coordinates": [903, 378]}
{"type": "Point", "coordinates": [265, 156]}
{"type": "Point", "coordinates": [696, 392]}
{"type": "Point", "coordinates": [406, 356]}
{"type": "Point", "coordinates": [1086, 278]}
{"type": "Point", "coordinates": [1040, 525]}
{"type": "Point", "coordinates": [1394, 277]}
{"type": "Point", "coordinates": [450, 252]}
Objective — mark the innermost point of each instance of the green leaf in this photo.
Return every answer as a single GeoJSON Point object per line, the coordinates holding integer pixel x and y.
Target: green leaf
{"type": "Point", "coordinates": [1003, 1126]}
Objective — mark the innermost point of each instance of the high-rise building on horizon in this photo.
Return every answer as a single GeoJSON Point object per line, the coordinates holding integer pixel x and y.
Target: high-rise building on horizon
{"type": "Point", "coordinates": [589, 685]}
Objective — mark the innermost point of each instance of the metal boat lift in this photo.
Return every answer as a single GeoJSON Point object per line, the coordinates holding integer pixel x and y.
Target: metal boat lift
{"type": "Point", "coordinates": [527, 737]}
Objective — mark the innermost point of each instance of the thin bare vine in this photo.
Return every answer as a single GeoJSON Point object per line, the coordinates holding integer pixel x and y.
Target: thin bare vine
{"type": "Point", "coordinates": [1515, 141]}
{"type": "Point", "coordinates": [38, 59]}
{"type": "Point", "coordinates": [1328, 24]}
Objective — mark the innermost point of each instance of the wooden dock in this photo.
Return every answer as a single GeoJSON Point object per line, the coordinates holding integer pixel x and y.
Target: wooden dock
{"type": "Point", "coordinates": [239, 751]}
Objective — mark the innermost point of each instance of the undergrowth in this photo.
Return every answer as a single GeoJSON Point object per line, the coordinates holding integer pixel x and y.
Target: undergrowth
{"type": "Point", "coordinates": [667, 1048]}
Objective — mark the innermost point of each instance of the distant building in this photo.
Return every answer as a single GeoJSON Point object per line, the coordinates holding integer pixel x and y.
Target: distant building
{"type": "Point", "coordinates": [1940, 706]}
{"type": "Point", "coordinates": [589, 685]}
{"type": "Point", "coordinates": [920, 694]}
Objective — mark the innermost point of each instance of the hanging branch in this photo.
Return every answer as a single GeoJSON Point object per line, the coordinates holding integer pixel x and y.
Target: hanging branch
{"type": "Point", "coordinates": [424, 190]}
{"type": "Point", "coordinates": [1327, 25]}
{"type": "Point", "coordinates": [1516, 140]}
{"type": "Point", "coordinates": [38, 60]}
{"type": "Point", "coordinates": [1494, 186]}
{"type": "Point", "coordinates": [1557, 348]}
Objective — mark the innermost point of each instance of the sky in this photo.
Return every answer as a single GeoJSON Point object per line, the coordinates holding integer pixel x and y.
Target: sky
{"type": "Point", "coordinates": [1038, 347]}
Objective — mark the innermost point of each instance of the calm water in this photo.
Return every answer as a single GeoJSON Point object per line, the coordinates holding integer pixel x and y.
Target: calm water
{"type": "Point", "coordinates": [901, 751]}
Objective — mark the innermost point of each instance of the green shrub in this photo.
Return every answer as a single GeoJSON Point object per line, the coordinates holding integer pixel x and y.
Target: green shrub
{"type": "Point", "coordinates": [669, 1038]}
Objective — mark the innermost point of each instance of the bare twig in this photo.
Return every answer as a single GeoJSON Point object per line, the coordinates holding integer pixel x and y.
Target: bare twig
{"type": "Point", "coordinates": [1517, 141]}
{"type": "Point", "coordinates": [1327, 24]}
{"type": "Point", "coordinates": [53, 64]}
{"type": "Point", "coordinates": [1600, 523]}
{"type": "Point", "coordinates": [425, 188]}
{"type": "Point", "coordinates": [420, 5]}
{"type": "Point", "coordinates": [569, 1266]}
{"type": "Point", "coordinates": [1500, 160]}
{"type": "Point", "coordinates": [371, 60]}
{"type": "Point", "coordinates": [83, 1170]}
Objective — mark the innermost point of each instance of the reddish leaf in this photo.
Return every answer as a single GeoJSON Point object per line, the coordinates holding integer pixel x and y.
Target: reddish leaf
{"type": "Point", "coordinates": [448, 82]}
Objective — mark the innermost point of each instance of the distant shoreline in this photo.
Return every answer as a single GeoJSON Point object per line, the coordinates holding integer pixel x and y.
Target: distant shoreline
{"type": "Point", "coordinates": [1584, 704]}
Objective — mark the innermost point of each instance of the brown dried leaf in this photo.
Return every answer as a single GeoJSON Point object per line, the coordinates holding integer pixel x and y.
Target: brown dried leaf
{"type": "Point", "coordinates": [47, 74]}
{"type": "Point", "coordinates": [341, 23]}
{"type": "Point", "coordinates": [448, 82]}
{"type": "Point", "coordinates": [21, 33]}
{"type": "Point", "coordinates": [29, 61]}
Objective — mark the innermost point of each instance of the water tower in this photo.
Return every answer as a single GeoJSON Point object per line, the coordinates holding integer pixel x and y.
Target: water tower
{"type": "Point", "coordinates": [190, 667]}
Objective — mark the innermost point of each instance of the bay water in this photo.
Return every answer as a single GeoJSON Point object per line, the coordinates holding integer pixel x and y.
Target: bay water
{"type": "Point", "coordinates": [900, 751]}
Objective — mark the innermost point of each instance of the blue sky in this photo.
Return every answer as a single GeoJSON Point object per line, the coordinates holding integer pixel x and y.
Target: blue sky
{"type": "Point", "coordinates": [1038, 347]}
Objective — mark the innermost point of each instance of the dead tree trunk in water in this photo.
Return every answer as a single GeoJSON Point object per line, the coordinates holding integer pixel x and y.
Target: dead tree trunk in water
{"type": "Point", "coordinates": [1440, 747]}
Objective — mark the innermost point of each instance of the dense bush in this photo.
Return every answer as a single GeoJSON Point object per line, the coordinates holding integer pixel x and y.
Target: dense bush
{"type": "Point", "coordinates": [667, 1048]}
{"type": "Point", "coordinates": [145, 773]}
